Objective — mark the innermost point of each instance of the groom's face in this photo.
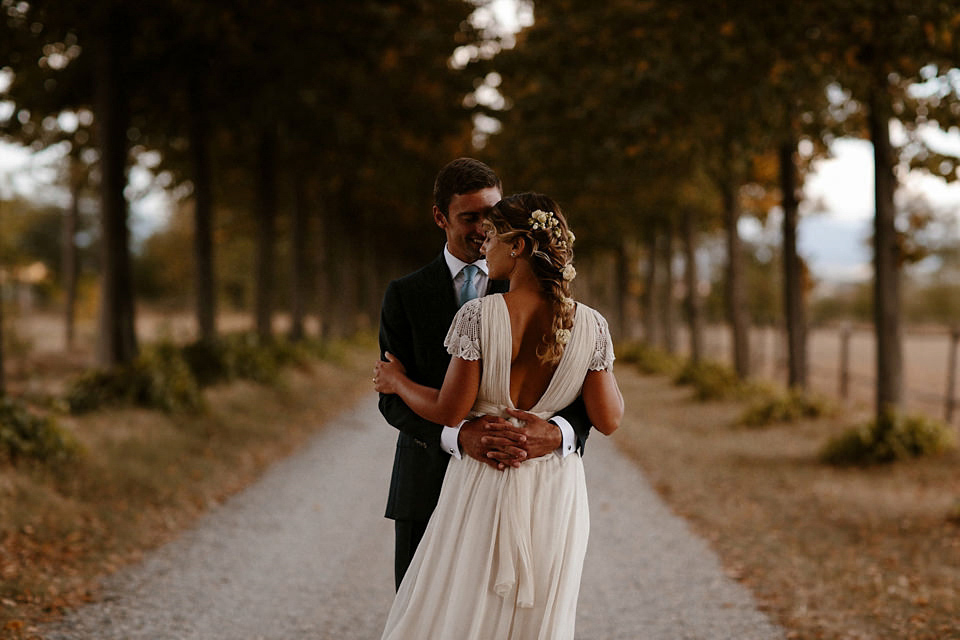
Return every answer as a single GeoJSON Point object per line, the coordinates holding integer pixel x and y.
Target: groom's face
{"type": "Point", "coordinates": [463, 223]}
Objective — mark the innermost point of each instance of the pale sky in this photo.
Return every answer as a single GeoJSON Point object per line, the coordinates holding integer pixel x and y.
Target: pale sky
{"type": "Point", "coordinates": [833, 241]}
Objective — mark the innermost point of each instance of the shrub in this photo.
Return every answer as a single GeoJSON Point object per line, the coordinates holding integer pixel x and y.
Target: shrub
{"type": "Point", "coordinates": [165, 380]}
{"type": "Point", "coordinates": [24, 434]}
{"type": "Point", "coordinates": [207, 361]}
{"type": "Point", "coordinates": [169, 378]}
{"type": "Point", "coordinates": [158, 379]}
{"type": "Point", "coordinates": [97, 388]}
{"type": "Point", "coordinates": [287, 352]}
{"type": "Point", "coordinates": [246, 358]}
{"type": "Point", "coordinates": [785, 407]}
{"type": "Point", "coordinates": [710, 380]}
{"type": "Point", "coordinates": [236, 356]}
{"type": "Point", "coordinates": [647, 359]}
{"type": "Point", "coordinates": [891, 438]}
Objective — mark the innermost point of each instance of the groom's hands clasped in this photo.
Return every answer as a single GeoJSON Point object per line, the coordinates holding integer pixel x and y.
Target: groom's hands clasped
{"type": "Point", "coordinates": [493, 441]}
{"type": "Point", "coordinates": [499, 443]}
{"type": "Point", "coordinates": [542, 437]}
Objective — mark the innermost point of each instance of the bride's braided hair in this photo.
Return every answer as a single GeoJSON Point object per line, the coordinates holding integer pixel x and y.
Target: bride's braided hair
{"type": "Point", "coordinates": [539, 219]}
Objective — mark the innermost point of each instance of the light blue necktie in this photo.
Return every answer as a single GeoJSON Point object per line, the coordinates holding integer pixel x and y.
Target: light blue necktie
{"type": "Point", "coordinates": [469, 290]}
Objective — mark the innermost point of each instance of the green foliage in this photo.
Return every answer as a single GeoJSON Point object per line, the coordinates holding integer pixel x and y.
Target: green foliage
{"type": "Point", "coordinates": [938, 302]}
{"type": "Point", "coordinates": [24, 435]}
{"type": "Point", "coordinates": [247, 359]}
{"type": "Point", "coordinates": [170, 386]}
{"type": "Point", "coordinates": [785, 407]}
{"type": "Point", "coordinates": [241, 356]}
{"type": "Point", "coordinates": [710, 380]}
{"type": "Point", "coordinates": [648, 359]}
{"type": "Point", "coordinates": [233, 357]}
{"type": "Point", "coordinates": [159, 378]}
{"type": "Point", "coordinates": [208, 361]}
{"type": "Point", "coordinates": [169, 378]}
{"type": "Point", "coordinates": [891, 438]}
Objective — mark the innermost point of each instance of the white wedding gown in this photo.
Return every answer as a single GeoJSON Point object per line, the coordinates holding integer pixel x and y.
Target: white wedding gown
{"type": "Point", "coordinates": [502, 554]}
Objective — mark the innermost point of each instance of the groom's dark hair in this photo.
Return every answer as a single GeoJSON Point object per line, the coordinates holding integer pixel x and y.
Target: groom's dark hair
{"type": "Point", "coordinates": [463, 175]}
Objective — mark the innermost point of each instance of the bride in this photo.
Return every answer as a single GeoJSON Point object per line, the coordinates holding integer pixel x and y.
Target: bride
{"type": "Point", "coordinates": [503, 552]}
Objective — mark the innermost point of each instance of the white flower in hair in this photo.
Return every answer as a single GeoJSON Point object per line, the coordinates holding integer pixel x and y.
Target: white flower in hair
{"type": "Point", "coordinates": [569, 273]}
{"type": "Point", "coordinates": [541, 219]}
{"type": "Point", "coordinates": [563, 336]}
{"type": "Point", "coordinates": [568, 303]}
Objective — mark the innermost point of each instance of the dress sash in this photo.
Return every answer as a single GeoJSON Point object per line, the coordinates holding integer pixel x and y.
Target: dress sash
{"type": "Point", "coordinates": [514, 555]}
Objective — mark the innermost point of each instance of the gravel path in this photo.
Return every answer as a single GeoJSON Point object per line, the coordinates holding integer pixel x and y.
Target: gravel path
{"type": "Point", "coordinates": [306, 554]}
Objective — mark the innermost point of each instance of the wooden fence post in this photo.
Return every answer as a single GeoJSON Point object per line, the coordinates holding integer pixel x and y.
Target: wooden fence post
{"type": "Point", "coordinates": [952, 374]}
{"type": "Point", "coordinates": [845, 362]}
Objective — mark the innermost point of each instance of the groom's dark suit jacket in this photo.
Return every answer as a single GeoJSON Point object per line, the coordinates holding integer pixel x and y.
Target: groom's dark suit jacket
{"type": "Point", "coordinates": [416, 315]}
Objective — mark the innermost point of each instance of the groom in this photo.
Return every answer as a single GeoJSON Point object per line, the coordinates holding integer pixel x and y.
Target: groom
{"type": "Point", "coordinates": [416, 314]}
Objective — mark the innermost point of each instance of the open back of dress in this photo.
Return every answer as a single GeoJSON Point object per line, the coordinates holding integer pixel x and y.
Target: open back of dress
{"type": "Point", "coordinates": [503, 552]}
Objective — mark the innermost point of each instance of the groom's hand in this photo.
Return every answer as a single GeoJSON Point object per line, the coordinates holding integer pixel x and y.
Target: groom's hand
{"type": "Point", "coordinates": [542, 437]}
{"type": "Point", "coordinates": [493, 441]}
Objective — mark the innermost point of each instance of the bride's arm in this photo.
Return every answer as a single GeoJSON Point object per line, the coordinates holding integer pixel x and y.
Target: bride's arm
{"type": "Point", "coordinates": [447, 405]}
{"type": "Point", "coordinates": [603, 399]}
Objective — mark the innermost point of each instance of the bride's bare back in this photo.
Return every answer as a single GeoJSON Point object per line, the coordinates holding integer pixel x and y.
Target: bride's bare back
{"type": "Point", "coordinates": [531, 318]}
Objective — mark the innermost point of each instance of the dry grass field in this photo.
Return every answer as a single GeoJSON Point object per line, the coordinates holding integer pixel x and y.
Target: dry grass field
{"type": "Point", "coordinates": [145, 475]}
{"type": "Point", "coordinates": [37, 361]}
{"type": "Point", "coordinates": [925, 353]}
{"type": "Point", "coordinates": [830, 553]}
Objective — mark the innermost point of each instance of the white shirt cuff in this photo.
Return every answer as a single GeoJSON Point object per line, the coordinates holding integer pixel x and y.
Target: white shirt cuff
{"type": "Point", "coordinates": [569, 437]}
{"type": "Point", "coordinates": [450, 440]}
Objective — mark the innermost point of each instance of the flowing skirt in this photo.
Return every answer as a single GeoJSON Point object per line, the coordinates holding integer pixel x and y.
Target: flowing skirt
{"type": "Point", "coordinates": [501, 557]}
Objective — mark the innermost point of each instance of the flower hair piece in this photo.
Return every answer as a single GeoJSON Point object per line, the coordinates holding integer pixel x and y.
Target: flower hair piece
{"type": "Point", "coordinates": [569, 273]}
{"type": "Point", "coordinates": [563, 336]}
{"type": "Point", "coordinates": [547, 221]}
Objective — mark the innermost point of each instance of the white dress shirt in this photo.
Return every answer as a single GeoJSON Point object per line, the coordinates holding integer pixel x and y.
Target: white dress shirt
{"type": "Point", "coordinates": [450, 436]}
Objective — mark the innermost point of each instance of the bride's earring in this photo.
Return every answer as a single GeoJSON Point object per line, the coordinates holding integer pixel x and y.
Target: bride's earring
{"type": "Point", "coordinates": [513, 254]}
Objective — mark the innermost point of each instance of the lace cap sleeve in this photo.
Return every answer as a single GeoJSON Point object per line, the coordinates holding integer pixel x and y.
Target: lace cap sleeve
{"type": "Point", "coordinates": [603, 356]}
{"type": "Point", "coordinates": [463, 338]}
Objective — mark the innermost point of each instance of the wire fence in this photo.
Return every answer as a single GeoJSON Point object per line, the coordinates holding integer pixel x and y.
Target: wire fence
{"type": "Point", "coordinates": [842, 364]}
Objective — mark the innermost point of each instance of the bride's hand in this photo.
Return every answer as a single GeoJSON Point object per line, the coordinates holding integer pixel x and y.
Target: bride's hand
{"type": "Point", "coordinates": [387, 375]}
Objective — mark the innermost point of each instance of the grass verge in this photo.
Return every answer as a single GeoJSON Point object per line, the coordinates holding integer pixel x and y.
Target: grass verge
{"type": "Point", "coordinates": [828, 552]}
{"type": "Point", "coordinates": [146, 475]}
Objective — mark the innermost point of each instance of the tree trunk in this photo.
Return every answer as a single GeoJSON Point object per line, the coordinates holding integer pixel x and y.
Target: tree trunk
{"type": "Point", "coordinates": [621, 290]}
{"type": "Point", "coordinates": [650, 291]}
{"type": "Point", "coordinates": [322, 271]}
{"type": "Point", "coordinates": [735, 297]}
{"type": "Point", "coordinates": [117, 339]}
{"type": "Point", "coordinates": [266, 232]}
{"type": "Point", "coordinates": [343, 303]}
{"type": "Point", "coordinates": [206, 297]}
{"type": "Point", "coordinates": [886, 260]}
{"type": "Point", "coordinates": [692, 302]}
{"type": "Point", "coordinates": [70, 263]}
{"type": "Point", "coordinates": [298, 245]}
{"type": "Point", "coordinates": [371, 288]}
{"type": "Point", "coordinates": [3, 377]}
{"type": "Point", "coordinates": [667, 313]}
{"type": "Point", "coordinates": [793, 290]}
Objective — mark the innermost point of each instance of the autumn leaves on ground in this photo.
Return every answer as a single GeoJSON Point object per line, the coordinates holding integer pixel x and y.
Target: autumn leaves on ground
{"type": "Point", "coordinates": [143, 475]}
{"type": "Point", "coordinates": [862, 553]}
{"type": "Point", "coordinates": [830, 553]}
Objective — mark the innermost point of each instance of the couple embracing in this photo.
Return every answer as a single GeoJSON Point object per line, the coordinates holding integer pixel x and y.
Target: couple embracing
{"type": "Point", "coordinates": [494, 376]}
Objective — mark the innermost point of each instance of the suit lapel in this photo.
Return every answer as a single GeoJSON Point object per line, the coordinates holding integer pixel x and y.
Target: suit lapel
{"type": "Point", "coordinates": [439, 288]}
